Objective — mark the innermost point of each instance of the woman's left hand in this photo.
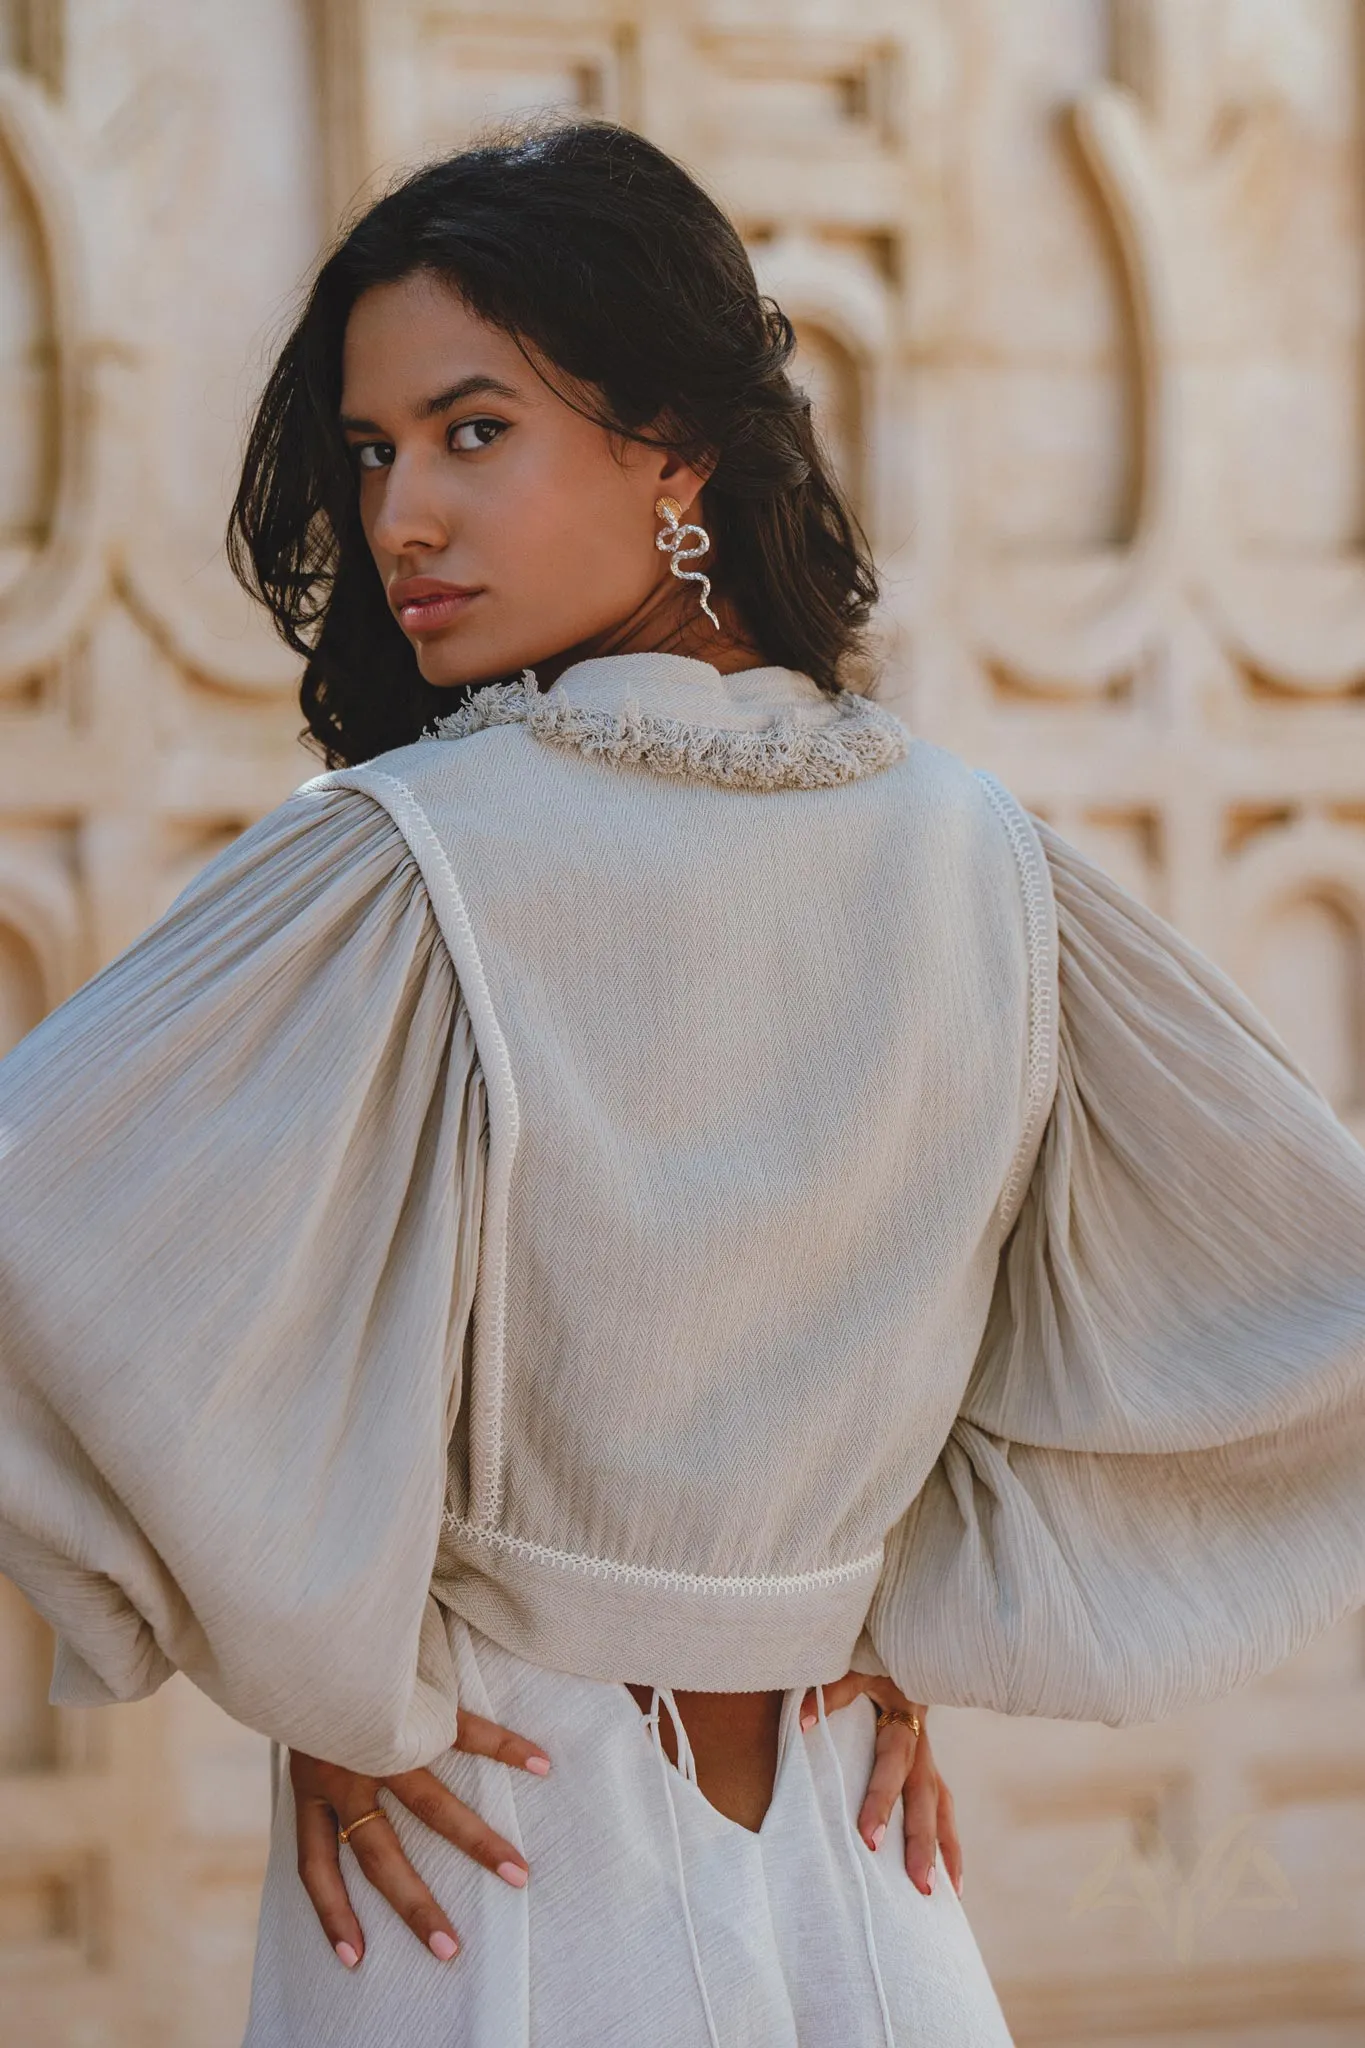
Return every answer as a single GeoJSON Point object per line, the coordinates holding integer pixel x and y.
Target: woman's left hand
{"type": "Point", "coordinates": [903, 1765]}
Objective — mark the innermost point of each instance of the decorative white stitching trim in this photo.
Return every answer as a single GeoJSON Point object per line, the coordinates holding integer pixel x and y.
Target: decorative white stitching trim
{"type": "Point", "coordinates": [788, 754]}
{"type": "Point", "coordinates": [486, 1393]}
{"type": "Point", "coordinates": [1040, 937]}
{"type": "Point", "coordinates": [652, 1575]}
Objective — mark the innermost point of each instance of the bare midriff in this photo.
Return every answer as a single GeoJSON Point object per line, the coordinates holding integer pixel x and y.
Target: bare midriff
{"type": "Point", "coordinates": [734, 1746]}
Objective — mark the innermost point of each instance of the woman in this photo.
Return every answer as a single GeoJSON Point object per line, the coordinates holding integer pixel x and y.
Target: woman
{"type": "Point", "coordinates": [645, 1212]}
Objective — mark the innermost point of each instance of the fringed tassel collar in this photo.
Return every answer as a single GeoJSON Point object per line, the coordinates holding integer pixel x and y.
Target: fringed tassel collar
{"type": "Point", "coordinates": [807, 740]}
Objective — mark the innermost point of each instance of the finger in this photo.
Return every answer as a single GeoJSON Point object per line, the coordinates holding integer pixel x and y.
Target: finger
{"type": "Point", "coordinates": [438, 1808]}
{"type": "Point", "coordinates": [886, 1693]}
{"type": "Point", "coordinates": [949, 1845]}
{"type": "Point", "coordinates": [377, 1850]}
{"type": "Point", "coordinates": [481, 1737]}
{"type": "Point", "coordinates": [841, 1693]}
{"type": "Point", "coordinates": [921, 1827]}
{"type": "Point", "coordinates": [320, 1871]}
{"type": "Point", "coordinates": [891, 1767]}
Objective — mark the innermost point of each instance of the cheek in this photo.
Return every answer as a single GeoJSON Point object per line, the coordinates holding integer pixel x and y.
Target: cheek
{"type": "Point", "coordinates": [578, 527]}
{"type": "Point", "coordinates": [369, 504]}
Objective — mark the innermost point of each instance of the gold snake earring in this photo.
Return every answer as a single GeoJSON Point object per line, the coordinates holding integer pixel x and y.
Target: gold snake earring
{"type": "Point", "coordinates": [669, 540]}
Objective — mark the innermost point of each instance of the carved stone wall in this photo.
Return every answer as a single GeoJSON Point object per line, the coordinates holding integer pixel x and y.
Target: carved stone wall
{"type": "Point", "coordinates": [1079, 285]}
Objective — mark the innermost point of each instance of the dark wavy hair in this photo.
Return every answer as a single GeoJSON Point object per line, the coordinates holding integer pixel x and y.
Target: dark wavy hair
{"type": "Point", "coordinates": [590, 246]}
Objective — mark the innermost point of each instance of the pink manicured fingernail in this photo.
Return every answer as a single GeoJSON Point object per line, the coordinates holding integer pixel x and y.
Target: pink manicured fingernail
{"type": "Point", "coordinates": [539, 1764]}
{"type": "Point", "coordinates": [513, 1872]}
{"type": "Point", "coordinates": [878, 1835]}
{"type": "Point", "coordinates": [929, 1878]}
{"type": "Point", "coordinates": [441, 1945]}
{"type": "Point", "coordinates": [807, 1723]}
{"type": "Point", "coordinates": [347, 1954]}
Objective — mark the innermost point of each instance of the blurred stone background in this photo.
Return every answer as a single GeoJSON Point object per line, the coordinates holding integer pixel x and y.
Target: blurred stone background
{"type": "Point", "coordinates": [1079, 285]}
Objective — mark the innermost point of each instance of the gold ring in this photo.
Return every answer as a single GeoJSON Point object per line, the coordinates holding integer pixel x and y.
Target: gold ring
{"type": "Point", "coordinates": [886, 1714]}
{"type": "Point", "coordinates": [375, 1813]}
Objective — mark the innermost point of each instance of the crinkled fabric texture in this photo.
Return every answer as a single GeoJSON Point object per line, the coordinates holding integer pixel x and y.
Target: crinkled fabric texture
{"type": "Point", "coordinates": [796, 1925]}
{"type": "Point", "coordinates": [242, 1171]}
{"type": "Point", "coordinates": [1155, 1487]}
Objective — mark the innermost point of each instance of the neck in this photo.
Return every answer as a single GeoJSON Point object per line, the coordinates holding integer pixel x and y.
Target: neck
{"type": "Point", "coordinates": [667, 623]}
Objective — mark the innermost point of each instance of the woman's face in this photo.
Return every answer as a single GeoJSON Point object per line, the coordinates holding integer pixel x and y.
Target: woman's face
{"type": "Point", "coordinates": [507, 529]}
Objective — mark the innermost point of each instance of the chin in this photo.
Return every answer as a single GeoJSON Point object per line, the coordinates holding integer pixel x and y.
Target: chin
{"type": "Point", "coordinates": [449, 668]}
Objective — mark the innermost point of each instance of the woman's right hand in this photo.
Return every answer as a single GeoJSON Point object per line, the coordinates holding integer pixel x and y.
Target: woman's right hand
{"type": "Point", "coordinates": [328, 1798]}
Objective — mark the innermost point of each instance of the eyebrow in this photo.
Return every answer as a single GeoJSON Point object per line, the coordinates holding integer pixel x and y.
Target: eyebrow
{"type": "Point", "coordinates": [439, 402]}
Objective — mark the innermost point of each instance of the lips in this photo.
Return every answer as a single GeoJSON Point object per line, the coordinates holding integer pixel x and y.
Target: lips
{"type": "Point", "coordinates": [423, 603]}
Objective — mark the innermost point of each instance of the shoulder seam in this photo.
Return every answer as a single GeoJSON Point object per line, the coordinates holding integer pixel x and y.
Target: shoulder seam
{"type": "Point", "coordinates": [1040, 937]}
{"type": "Point", "coordinates": [490, 1302]}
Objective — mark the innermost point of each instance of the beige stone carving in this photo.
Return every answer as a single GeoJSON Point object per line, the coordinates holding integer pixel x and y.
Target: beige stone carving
{"type": "Point", "coordinates": [1080, 286]}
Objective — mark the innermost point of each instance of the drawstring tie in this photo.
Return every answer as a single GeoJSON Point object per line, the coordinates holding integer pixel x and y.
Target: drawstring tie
{"type": "Point", "coordinates": [688, 1768]}
{"type": "Point", "coordinates": [855, 1844]}
{"type": "Point", "coordinates": [857, 1849]}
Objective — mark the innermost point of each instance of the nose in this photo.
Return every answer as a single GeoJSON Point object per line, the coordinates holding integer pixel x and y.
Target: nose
{"type": "Point", "coordinates": [409, 516]}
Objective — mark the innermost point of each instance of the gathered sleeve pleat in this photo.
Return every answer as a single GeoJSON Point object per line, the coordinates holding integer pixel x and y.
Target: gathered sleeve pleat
{"type": "Point", "coordinates": [1154, 1489]}
{"type": "Point", "coordinates": [240, 1185]}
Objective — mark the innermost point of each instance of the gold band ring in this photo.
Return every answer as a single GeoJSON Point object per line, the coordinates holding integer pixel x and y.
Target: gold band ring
{"type": "Point", "coordinates": [886, 1714]}
{"type": "Point", "coordinates": [375, 1813]}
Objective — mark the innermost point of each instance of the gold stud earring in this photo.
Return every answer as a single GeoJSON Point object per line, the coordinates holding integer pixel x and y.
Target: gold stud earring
{"type": "Point", "coordinates": [669, 540]}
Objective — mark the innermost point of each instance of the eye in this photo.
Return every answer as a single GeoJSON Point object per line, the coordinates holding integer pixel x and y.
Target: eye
{"type": "Point", "coordinates": [372, 454]}
{"type": "Point", "coordinates": [484, 431]}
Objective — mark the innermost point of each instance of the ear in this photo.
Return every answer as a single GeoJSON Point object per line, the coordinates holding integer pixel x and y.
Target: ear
{"type": "Point", "coordinates": [682, 480]}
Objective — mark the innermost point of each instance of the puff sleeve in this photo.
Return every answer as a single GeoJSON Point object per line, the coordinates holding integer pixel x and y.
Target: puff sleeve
{"type": "Point", "coordinates": [240, 1182]}
{"type": "Point", "coordinates": [1154, 1488]}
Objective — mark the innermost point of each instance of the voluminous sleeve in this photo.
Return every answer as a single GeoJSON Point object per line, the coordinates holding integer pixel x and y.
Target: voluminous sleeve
{"type": "Point", "coordinates": [240, 1183]}
{"type": "Point", "coordinates": [1155, 1486]}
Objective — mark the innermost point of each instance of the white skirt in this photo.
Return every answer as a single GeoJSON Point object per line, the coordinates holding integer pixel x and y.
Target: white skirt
{"type": "Point", "coordinates": [650, 1919]}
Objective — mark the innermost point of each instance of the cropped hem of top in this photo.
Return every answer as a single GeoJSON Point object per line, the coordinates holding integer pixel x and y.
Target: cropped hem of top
{"type": "Point", "coordinates": [592, 1615]}
{"type": "Point", "coordinates": [705, 1185]}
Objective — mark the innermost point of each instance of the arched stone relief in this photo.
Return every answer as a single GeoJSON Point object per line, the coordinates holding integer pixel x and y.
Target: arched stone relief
{"type": "Point", "coordinates": [44, 607]}
{"type": "Point", "coordinates": [832, 379]}
{"type": "Point", "coordinates": [185, 152]}
{"type": "Point", "coordinates": [405, 81]}
{"type": "Point", "coordinates": [1077, 626]}
{"type": "Point", "coordinates": [40, 940]}
{"type": "Point", "coordinates": [842, 313]}
{"type": "Point", "coordinates": [1310, 964]}
{"type": "Point", "coordinates": [1125, 840]}
{"type": "Point", "coordinates": [27, 476]}
{"type": "Point", "coordinates": [1194, 138]}
{"type": "Point", "coordinates": [241, 654]}
{"type": "Point", "coordinates": [22, 991]}
{"type": "Point", "coordinates": [1297, 898]}
{"type": "Point", "coordinates": [93, 528]}
{"type": "Point", "coordinates": [1233, 89]}
{"type": "Point", "coordinates": [28, 1725]}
